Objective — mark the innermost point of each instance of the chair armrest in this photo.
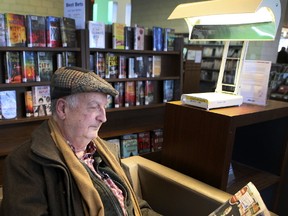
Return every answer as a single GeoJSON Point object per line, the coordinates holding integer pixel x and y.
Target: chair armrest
{"type": "Point", "coordinates": [170, 192]}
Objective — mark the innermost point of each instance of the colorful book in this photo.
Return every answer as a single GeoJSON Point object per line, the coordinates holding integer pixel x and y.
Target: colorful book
{"type": "Point", "coordinates": [41, 100]}
{"type": "Point", "coordinates": [168, 39]}
{"type": "Point", "coordinates": [15, 30]}
{"type": "Point", "coordinates": [45, 66]}
{"type": "Point", "coordinates": [144, 145]}
{"type": "Point", "coordinates": [12, 65]}
{"type": "Point", "coordinates": [122, 67]}
{"type": "Point", "coordinates": [129, 145]}
{"type": "Point", "coordinates": [100, 64]}
{"type": "Point", "coordinates": [139, 38]}
{"type": "Point", "coordinates": [8, 104]}
{"type": "Point", "coordinates": [149, 92]}
{"type": "Point", "coordinates": [110, 101]}
{"type": "Point", "coordinates": [96, 34]}
{"type": "Point", "coordinates": [68, 32]}
{"type": "Point", "coordinates": [53, 32]}
{"type": "Point", "coordinates": [157, 38]}
{"type": "Point", "coordinates": [156, 139]}
{"type": "Point", "coordinates": [116, 141]}
{"type": "Point", "coordinates": [111, 65]}
{"type": "Point", "coordinates": [29, 104]}
{"type": "Point", "coordinates": [156, 66]}
{"type": "Point", "coordinates": [128, 38]}
{"type": "Point", "coordinates": [140, 93]}
{"type": "Point", "coordinates": [118, 35]}
{"type": "Point", "coordinates": [130, 93]}
{"type": "Point", "coordinates": [2, 30]}
{"type": "Point", "coordinates": [168, 90]}
{"type": "Point", "coordinates": [119, 99]}
{"type": "Point", "coordinates": [29, 67]}
{"type": "Point", "coordinates": [36, 31]}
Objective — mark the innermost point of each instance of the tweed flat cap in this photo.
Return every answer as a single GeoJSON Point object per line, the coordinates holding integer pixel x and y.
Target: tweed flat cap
{"type": "Point", "coordinates": [71, 80]}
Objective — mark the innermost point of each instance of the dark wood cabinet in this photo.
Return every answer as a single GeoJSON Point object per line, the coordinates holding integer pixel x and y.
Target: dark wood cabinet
{"type": "Point", "coordinates": [249, 140]}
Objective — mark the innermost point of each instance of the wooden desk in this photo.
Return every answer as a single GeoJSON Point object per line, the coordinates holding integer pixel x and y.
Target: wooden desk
{"type": "Point", "coordinates": [250, 138]}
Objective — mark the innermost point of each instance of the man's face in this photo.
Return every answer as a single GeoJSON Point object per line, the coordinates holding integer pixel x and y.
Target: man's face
{"type": "Point", "coordinates": [83, 120]}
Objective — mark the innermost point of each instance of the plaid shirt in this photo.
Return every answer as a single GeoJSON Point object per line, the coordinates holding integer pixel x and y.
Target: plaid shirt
{"type": "Point", "coordinates": [87, 158]}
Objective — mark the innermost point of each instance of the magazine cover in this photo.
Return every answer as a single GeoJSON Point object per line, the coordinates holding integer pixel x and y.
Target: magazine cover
{"type": "Point", "coordinates": [247, 201]}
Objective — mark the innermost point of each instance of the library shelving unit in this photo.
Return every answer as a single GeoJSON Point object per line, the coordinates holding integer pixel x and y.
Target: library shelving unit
{"type": "Point", "coordinates": [135, 119]}
{"type": "Point", "coordinates": [228, 147]}
{"type": "Point", "coordinates": [14, 132]}
{"type": "Point", "coordinates": [121, 121]}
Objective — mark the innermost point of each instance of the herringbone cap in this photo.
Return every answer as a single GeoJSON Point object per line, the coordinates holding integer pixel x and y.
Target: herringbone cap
{"type": "Point", "coordinates": [71, 80]}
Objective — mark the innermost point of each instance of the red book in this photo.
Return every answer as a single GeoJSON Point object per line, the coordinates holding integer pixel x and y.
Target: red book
{"type": "Point", "coordinates": [129, 93]}
{"type": "Point", "coordinates": [36, 31]}
{"type": "Point", "coordinates": [144, 142]}
{"type": "Point", "coordinates": [16, 30]}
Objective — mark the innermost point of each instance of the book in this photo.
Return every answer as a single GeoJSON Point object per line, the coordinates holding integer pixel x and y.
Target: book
{"type": "Point", "coordinates": [139, 38]}
{"type": "Point", "coordinates": [110, 101]}
{"type": "Point", "coordinates": [68, 32]}
{"type": "Point", "coordinates": [168, 90]}
{"type": "Point", "coordinates": [2, 30]}
{"type": "Point", "coordinates": [36, 31]}
{"type": "Point", "coordinates": [96, 34]}
{"type": "Point", "coordinates": [41, 100]}
{"type": "Point", "coordinates": [131, 67]}
{"type": "Point", "coordinates": [128, 38]}
{"type": "Point", "coordinates": [156, 139]}
{"type": "Point", "coordinates": [69, 59]}
{"type": "Point", "coordinates": [45, 66]}
{"type": "Point", "coordinates": [139, 67]}
{"type": "Point", "coordinates": [28, 104]}
{"type": "Point", "coordinates": [53, 32]}
{"type": "Point", "coordinates": [140, 93]}
{"type": "Point", "coordinates": [100, 64]}
{"type": "Point", "coordinates": [122, 66]}
{"type": "Point", "coordinates": [149, 92]}
{"type": "Point", "coordinates": [12, 65]}
{"type": "Point", "coordinates": [144, 142]}
{"type": "Point", "coordinates": [116, 141]}
{"type": "Point", "coordinates": [246, 201]}
{"type": "Point", "coordinates": [29, 67]}
{"type": "Point", "coordinates": [129, 93]}
{"type": "Point", "coordinates": [15, 30]}
{"type": "Point", "coordinates": [157, 38]}
{"type": "Point", "coordinates": [8, 104]}
{"type": "Point", "coordinates": [169, 39]}
{"type": "Point", "coordinates": [148, 63]}
{"type": "Point", "coordinates": [111, 66]}
{"type": "Point", "coordinates": [119, 99]}
{"type": "Point", "coordinates": [129, 145]}
{"type": "Point", "coordinates": [118, 35]}
{"type": "Point", "coordinates": [156, 66]}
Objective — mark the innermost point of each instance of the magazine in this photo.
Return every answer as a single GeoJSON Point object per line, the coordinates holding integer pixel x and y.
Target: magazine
{"type": "Point", "coordinates": [247, 201]}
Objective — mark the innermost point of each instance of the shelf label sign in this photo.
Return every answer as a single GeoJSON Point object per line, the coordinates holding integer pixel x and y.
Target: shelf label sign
{"type": "Point", "coordinates": [75, 9]}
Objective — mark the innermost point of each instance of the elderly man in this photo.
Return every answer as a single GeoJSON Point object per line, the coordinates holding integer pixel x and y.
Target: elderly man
{"type": "Point", "coordinates": [65, 169]}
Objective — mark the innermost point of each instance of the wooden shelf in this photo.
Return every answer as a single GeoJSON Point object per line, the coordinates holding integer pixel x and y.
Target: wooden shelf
{"type": "Point", "coordinates": [242, 174]}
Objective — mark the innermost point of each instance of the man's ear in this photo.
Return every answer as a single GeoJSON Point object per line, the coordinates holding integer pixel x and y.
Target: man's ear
{"type": "Point", "coordinates": [60, 108]}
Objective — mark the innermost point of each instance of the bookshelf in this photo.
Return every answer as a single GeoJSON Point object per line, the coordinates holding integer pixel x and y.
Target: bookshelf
{"type": "Point", "coordinates": [121, 121]}
{"type": "Point", "coordinates": [211, 61]}
{"type": "Point", "coordinates": [251, 139]}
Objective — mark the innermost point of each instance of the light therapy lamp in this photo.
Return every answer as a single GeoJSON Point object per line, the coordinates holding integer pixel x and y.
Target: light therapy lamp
{"type": "Point", "coordinates": [228, 20]}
